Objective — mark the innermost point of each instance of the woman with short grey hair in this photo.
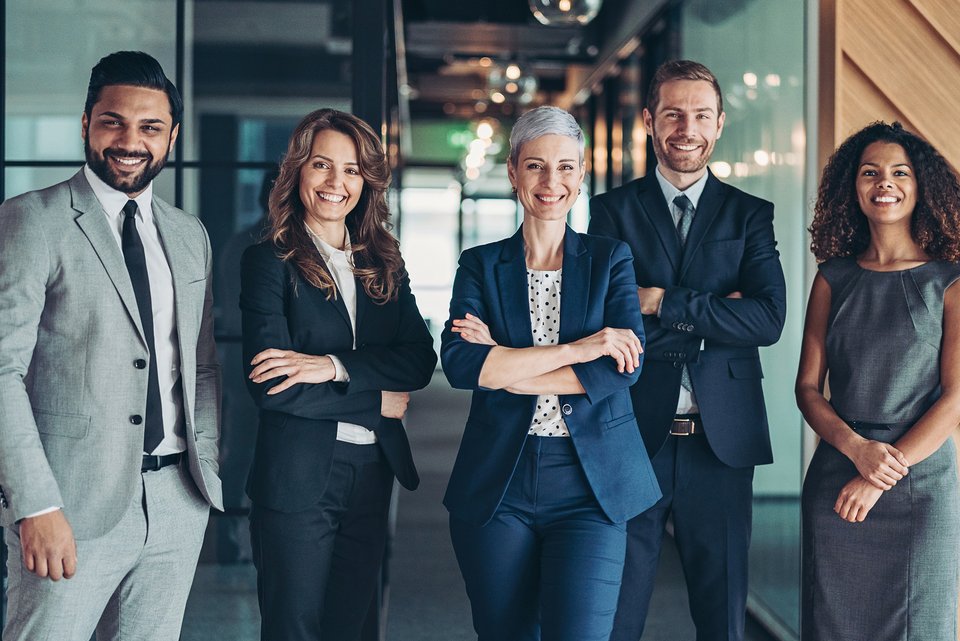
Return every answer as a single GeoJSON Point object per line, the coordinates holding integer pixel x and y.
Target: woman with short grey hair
{"type": "Point", "coordinates": [551, 464]}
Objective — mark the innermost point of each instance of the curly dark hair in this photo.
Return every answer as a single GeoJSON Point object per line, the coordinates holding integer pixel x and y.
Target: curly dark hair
{"type": "Point", "coordinates": [376, 253]}
{"type": "Point", "coordinates": [839, 227]}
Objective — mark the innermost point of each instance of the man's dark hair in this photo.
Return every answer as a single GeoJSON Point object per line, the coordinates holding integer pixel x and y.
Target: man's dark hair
{"type": "Point", "coordinates": [136, 69]}
{"type": "Point", "coordinates": [680, 70]}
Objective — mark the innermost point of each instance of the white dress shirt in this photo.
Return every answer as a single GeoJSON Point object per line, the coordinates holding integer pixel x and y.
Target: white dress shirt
{"type": "Point", "coordinates": [687, 403]}
{"type": "Point", "coordinates": [165, 338]}
{"type": "Point", "coordinates": [340, 264]}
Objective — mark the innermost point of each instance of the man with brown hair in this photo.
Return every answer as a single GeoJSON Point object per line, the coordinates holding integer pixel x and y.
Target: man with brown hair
{"type": "Point", "coordinates": [712, 291]}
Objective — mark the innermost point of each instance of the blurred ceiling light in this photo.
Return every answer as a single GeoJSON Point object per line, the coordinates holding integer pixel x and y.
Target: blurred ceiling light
{"type": "Point", "coordinates": [750, 79]}
{"type": "Point", "coordinates": [480, 107]}
{"type": "Point", "coordinates": [474, 160]}
{"type": "Point", "coordinates": [497, 97]}
{"type": "Point", "coordinates": [485, 130]}
{"type": "Point", "coordinates": [449, 108]}
{"type": "Point", "coordinates": [772, 80]}
{"type": "Point", "coordinates": [721, 169]}
{"type": "Point", "coordinates": [513, 71]}
{"type": "Point", "coordinates": [564, 12]}
{"type": "Point", "coordinates": [472, 173]}
{"type": "Point", "coordinates": [761, 157]}
{"type": "Point", "coordinates": [485, 61]}
{"type": "Point", "coordinates": [511, 87]}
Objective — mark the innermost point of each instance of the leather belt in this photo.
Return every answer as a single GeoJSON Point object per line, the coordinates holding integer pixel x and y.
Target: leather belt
{"type": "Point", "coordinates": [152, 463]}
{"type": "Point", "coordinates": [686, 425]}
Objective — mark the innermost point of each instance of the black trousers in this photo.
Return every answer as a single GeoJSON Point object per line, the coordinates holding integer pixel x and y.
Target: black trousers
{"type": "Point", "coordinates": [317, 570]}
{"type": "Point", "coordinates": [712, 508]}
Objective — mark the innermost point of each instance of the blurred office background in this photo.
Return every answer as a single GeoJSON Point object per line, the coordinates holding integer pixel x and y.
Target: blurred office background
{"type": "Point", "coordinates": [443, 81]}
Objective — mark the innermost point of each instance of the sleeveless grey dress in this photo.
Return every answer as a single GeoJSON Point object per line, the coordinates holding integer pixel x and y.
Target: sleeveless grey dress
{"type": "Point", "coordinates": [893, 577]}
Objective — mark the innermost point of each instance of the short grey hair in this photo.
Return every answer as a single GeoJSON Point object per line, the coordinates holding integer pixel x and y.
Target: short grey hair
{"type": "Point", "coordinates": [543, 121]}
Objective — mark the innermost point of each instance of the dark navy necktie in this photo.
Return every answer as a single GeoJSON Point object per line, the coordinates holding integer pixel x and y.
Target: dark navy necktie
{"type": "Point", "coordinates": [683, 228]}
{"type": "Point", "coordinates": [136, 261]}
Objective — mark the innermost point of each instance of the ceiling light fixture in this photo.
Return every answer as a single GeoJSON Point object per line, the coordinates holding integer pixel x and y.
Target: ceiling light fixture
{"type": "Point", "coordinates": [560, 13]}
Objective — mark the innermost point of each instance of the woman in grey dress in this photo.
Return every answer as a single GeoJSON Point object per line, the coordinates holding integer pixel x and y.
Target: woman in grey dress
{"type": "Point", "coordinates": [880, 499]}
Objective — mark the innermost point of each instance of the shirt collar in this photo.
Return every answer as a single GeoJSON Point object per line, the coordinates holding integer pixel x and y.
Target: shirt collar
{"type": "Point", "coordinates": [113, 201]}
{"type": "Point", "coordinates": [693, 192]}
{"type": "Point", "coordinates": [328, 251]}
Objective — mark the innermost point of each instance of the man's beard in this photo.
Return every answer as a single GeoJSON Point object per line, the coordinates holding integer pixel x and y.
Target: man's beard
{"type": "Point", "coordinates": [126, 183]}
{"type": "Point", "coordinates": [682, 163]}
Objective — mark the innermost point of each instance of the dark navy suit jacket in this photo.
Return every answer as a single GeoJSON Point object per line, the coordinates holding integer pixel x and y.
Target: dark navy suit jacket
{"type": "Point", "coordinates": [730, 247]}
{"type": "Point", "coordinates": [598, 290]}
{"type": "Point", "coordinates": [298, 427]}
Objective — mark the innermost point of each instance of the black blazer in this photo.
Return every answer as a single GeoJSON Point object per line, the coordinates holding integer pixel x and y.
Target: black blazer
{"type": "Point", "coordinates": [298, 427]}
{"type": "Point", "coordinates": [730, 247]}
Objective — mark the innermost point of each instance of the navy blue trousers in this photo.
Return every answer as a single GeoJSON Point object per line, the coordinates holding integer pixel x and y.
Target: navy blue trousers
{"type": "Point", "coordinates": [317, 570]}
{"type": "Point", "coordinates": [548, 565]}
{"type": "Point", "coordinates": [712, 507]}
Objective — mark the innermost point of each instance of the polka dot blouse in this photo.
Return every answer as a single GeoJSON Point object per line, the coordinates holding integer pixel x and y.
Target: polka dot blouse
{"type": "Point", "coordinates": [544, 290]}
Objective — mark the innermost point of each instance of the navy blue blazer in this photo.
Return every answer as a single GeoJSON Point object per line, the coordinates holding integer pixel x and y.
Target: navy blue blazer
{"type": "Point", "coordinates": [298, 427]}
{"type": "Point", "coordinates": [730, 247]}
{"type": "Point", "coordinates": [598, 290]}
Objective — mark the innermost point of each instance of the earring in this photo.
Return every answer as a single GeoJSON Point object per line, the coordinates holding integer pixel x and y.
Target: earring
{"type": "Point", "coordinates": [513, 188]}
{"type": "Point", "coordinates": [579, 191]}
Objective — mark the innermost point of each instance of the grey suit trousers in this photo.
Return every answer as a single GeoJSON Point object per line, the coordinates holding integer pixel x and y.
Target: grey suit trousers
{"type": "Point", "coordinates": [131, 583]}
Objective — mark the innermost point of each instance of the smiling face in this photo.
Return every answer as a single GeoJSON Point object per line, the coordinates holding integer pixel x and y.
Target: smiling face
{"type": "Point", "coordinates": [886, 184]}
{"type": "Point", "coordinates": [547, 176]}
{"type": "Point", "coordinates": [685, 129]}
{"type": "Point", "coordinates": [128, 136]}
{"type": "Point", "coordinates": [330, 184]}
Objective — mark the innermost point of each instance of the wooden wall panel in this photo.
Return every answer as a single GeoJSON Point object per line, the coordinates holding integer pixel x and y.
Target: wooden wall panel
{"type": "Point", "coordinates": [900, 63]}
{"type": "Point", "coordinates": [861, 100]}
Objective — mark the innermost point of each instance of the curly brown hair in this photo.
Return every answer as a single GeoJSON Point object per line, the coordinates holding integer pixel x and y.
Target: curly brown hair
{"type": "Point", "coordinates": [376, 253]}
{"type": "Point", "coordinates": [839, 227]}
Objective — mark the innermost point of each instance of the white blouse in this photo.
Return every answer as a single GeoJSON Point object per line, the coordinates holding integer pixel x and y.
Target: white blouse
{"type": "Point", "coordinates": [545, 323]}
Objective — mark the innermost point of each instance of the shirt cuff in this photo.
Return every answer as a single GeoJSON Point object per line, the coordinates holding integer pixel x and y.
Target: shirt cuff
{"type": "Point", "coordinates": [340, 375]}
{"type": "Point", "coordinates": [42, 512]}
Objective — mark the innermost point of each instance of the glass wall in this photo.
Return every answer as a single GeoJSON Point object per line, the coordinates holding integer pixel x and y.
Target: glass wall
{"type": "Point", "coordinates": [756, 49]}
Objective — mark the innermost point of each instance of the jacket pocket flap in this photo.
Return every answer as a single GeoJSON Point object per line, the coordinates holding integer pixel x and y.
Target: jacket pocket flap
{"type": "Point", "coordinates": [621, 420]}
{"type": "Point", "coordinates": [70, 425]}
{"type": "Point", "coordinates": [745, 368]}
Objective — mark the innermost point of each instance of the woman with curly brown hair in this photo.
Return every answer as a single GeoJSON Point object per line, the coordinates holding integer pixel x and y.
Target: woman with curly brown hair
{"type": "Point", "coordinates": [333, 342]}
{"type": "Point", "coordinates": [880, 498]}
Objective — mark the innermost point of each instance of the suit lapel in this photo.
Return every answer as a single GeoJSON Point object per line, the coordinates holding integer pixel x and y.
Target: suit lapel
{"type": "Point", "coordinates": [363, 307]}
{"type": "Point", "coordinates": [176, 246]}
{"type": "Point", "coordinates": [707, 209]}
{"type": "Point", "coordinates": [94, 224]}
{"type": "Point", "coordinates": [575, 287]}
{"type": "Point", "coordinates": [511, 275]}
{"type": "Point", "coordinates": [655, 207]}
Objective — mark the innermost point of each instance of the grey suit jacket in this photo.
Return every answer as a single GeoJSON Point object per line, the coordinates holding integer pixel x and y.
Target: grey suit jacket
{"type": "Point", "coordinates": [69, 335]}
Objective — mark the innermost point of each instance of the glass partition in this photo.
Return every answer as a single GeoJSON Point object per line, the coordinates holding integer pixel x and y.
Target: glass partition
{"type": "Point", "coordinates": [756, 49]}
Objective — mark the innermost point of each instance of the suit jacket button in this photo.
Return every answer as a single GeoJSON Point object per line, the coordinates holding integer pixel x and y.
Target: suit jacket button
{"type": "Point", "coordinates": [140, 363]}
{"type": "Point", "coordinates": [136, 419]}
{"type": "Point", "coordinates": [677, 364]}
{"type": "Point", "coordinates": [689, 328]}
{"type": "Point", "coordinates": [682, 355]}
{"type": "Point", "coordinates": [567, 409]}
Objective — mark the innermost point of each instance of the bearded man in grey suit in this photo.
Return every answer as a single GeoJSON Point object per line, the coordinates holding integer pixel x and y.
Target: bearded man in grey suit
{"type": "Point", "coordinates": [109, 384]}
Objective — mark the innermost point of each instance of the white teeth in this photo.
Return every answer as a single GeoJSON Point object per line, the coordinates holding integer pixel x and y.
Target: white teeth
{"type": "Point", "coordinates": [550, 199]}
{"type": "Point", "coordinates": [686, 147]}
{"type": "Point", "coordinates": [333, 198]}
{"type": "Point", "coordinates": [129, 161]}
{"type": "Point", "coordinates": [885, 199]}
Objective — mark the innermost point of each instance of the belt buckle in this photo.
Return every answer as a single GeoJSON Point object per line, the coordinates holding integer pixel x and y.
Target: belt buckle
{"type": "Point", "coordinates": [683, 427]}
